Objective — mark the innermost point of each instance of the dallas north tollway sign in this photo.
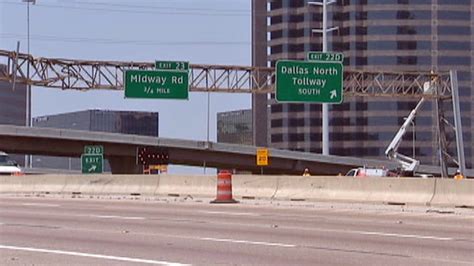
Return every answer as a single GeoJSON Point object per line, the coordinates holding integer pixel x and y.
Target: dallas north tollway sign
{"type": "Point", "coordinates": [309, 82]}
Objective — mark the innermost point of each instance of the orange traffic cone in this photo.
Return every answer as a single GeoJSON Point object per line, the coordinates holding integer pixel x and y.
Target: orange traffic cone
{"type": "Point", "coordinates": [224, 188]}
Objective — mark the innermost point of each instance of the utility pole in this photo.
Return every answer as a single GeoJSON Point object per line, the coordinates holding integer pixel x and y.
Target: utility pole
{"type": "Point", "coordinates": [324, 31]}
{"type": "Point", "coordinates": [28, 159]}
{"type": "Point", "coordinates": [208, 123]}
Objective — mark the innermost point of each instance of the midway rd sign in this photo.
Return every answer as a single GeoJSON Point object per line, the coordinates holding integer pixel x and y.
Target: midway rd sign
{"type": "Point", "coordinates": [156, 84]}
{"type": "Point", "coordinates": [311, 82]}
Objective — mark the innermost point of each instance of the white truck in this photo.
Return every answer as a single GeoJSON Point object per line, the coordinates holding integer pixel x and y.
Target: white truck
{"type": "Point", "coordinates": [407, 165]}
{"type": "Point", "coordinates": [366, 172]}
{"type": "Point", "coordinates": [8, 166]}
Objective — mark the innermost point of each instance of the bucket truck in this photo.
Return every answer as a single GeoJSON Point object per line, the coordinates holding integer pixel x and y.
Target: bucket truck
{"type": "Point", "coordinates": [407, 164]}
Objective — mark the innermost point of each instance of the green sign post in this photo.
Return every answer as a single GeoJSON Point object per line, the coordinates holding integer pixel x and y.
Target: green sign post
{"type": "Point", "coordinates": [92, 163]}
{"type": "Point", "coordinates": [156, 84]}
{"type": "Point", "coordinates": [94, 149]}
{"type": "Point", "coordinates": [305, 81]}
{"type": "Point", "coordinates": [327, 57]}
{"type": "Point", "coordinates": [172, 65]}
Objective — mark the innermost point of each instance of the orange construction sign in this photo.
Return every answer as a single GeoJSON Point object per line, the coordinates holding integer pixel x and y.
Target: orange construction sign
{"type": "Point", "coordinates": [262, 156]}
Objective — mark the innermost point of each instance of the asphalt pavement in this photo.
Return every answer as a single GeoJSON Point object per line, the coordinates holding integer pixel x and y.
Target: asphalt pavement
{"type": "Point", "coordinates": [65, 231]}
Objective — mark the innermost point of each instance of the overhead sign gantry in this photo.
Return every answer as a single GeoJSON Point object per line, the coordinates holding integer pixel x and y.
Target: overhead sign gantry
{"type": "Point", "coordinates": [87, 74]}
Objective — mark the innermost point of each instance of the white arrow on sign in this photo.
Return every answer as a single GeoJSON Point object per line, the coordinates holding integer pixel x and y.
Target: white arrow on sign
{"type": "Point", "coordinates": [93, 167]}
{"type": "Point", "coordinates": [333, 94]}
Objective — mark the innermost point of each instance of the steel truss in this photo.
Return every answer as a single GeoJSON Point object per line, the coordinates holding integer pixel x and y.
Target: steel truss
{"type": "Point", "coordinates": [108, 75]}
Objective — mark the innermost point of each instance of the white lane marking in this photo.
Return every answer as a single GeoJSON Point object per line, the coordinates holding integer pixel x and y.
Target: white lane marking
{"type": "Point", "coordinates": [445, 260]}
{"type": "Point", "coordinates": [403, 235]}
{"type": "Point", "coordinates": [41, 204]}
{"type": "Point", "coordinates": [247, 242]}
{"type": "Point", "coordinates": [91, 255]}
{"type": "Point", "coordinates": [118, 217]}
{"type": "Point", "coordinates": [232, 213]}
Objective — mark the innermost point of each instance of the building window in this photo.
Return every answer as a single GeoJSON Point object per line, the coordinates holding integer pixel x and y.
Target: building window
{"type": "Point", "coordinates": [277, 49]}
{"type": "Point", "coordinates": [276, 108]}
{"type": "Point", "coordinates": [296, 107]}
{"type": "Point", "coordinates": [459, 46]}
{"type": "Point", "coordinates": [454, 30]}
{"type": "Point", "coordinates": [276, 34]}
{"type": "Point", "coordinates": [276, 138]}
{"type": "Point", "coordinates": [454, 15]}
{"type": "Point", "coordinates": [276, 4]}
{"type": "Point", "coordinates": [454, 60]}
{"type": "Point", "coordinates": [296, 137]}
{"type": "Point", "coordinates": [276, 123]}
{"type": "Point", "coordinates": [276, 20]}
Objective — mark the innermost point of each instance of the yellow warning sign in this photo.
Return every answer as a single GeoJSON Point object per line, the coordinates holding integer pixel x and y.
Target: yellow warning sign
{"type": "Point", "coordinates": [262, 156]}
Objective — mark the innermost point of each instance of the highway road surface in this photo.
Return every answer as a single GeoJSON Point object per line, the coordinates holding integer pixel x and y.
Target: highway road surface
{"type": "Point", "coordinates": [59, 231]}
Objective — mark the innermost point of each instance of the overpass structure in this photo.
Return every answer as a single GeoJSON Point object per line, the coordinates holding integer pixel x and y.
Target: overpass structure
{"type": "Point", "coordinates": [91, 74]}
{"type": "Point", "coordinates": [120, 150]}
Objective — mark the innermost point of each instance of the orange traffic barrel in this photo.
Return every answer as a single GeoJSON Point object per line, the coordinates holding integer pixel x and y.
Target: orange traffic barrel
{"type": "Point", "coordinates": [224, 188]}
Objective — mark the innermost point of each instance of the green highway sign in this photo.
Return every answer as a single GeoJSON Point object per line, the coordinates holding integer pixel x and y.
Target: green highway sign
{"type": "Point", "coordinates": [172, 65]}
{"type": "Point", "coordinates": [310, 82]}
{"type": "Point", "coordinates": [328, 57]}
{"type": "Point", "coordinates": [92, 163]}
{"type": "Point", "coordinates": [94, 149]}
{"type": "Point", "coordinates": [156, 84]}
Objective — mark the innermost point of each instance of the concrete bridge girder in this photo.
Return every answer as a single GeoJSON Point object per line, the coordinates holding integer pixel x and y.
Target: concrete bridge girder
{"type": "Point", "coordinates": [121, 150]}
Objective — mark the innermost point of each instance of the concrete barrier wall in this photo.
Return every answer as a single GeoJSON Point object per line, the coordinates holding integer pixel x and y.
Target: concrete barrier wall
{"type": "Point", "coordinates": [393, 190]}
{"type": "Point", "coordinates": [108, 184]}
{"type": "Point", "coordinates": [84, 184]}
{"type": "Point", "coordinates": [442, 192]}
{"type": "Point", "coordinates": [204, 186]}
{"type": "Point", "coordinates": [27, 183]}
{"type": "Point", "coordinates": [454, 192]}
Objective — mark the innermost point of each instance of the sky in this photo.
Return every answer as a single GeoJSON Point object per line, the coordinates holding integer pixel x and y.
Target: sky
{"type": "Point", "coordinates": [201, 32]}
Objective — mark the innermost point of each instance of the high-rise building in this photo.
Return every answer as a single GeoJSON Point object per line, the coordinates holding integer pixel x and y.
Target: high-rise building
{"type": "Point", "coordinates": [13, 108]}
{"type": "Point", "coordinates": [374, 35]}
{"type": "Point", "coordinates": [235, 127]}
{"type": "Point", "coordinates": [125, 122]}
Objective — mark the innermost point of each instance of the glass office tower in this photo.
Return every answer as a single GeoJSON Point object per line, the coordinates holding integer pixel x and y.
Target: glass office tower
{"type": "Point", "coordinates": [235, 127]}
{"type": "Point", "coordinates": [374, 35]}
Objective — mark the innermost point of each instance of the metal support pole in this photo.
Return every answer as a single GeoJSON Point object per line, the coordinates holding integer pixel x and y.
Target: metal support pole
{"type": "Point", "coordinates": [28, 91]}
{"type": "Point", "coordinates": [208, 124]}
{"type": "Point", "coordinates": [325, 107]}
{"type": "Point", "coordinates": [457, 121]}
{"type": "Point", "coordinates": [28, 159]}
{"type": "Point", "coordinates": [325, 114]}
{"type": "Point", "coordinates": [441, 137]}
{"type": "Point", "coordinates": [208, 114]}
{"type": "Point", "coordinates": [28, 86]}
